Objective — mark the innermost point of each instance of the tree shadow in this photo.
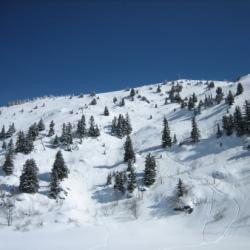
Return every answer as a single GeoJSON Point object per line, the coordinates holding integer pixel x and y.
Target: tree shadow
{"type": "Point", "coordinates": [111, 166]}
{"type": "Point", "coordinates": [237, 157]}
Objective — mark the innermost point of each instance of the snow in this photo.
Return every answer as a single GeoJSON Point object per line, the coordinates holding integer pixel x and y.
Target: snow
{"type": "Point", "coordinates": [216, 172]}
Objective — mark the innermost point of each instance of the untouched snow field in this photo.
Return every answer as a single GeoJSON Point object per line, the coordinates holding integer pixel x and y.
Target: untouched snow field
{"type": "Point", "coordinates": [92, 216]}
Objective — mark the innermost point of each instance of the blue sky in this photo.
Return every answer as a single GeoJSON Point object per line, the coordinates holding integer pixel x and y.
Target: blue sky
{"type": "Point", "coordinates": [62, 47]}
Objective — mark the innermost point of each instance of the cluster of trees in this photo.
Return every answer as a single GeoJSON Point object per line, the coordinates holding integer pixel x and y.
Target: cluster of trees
{"type": "Point", "coordinates": [121, 126]}
{"type": "Point", "coordinates": [174, 94]}
{"type": "Point", "coordinates": [7, 134]}
{"type": "Point", "coordinates": [236, 122]}
{"type": "Point", "coordinates": [29, 182]}
{"type": "Point", "coordinates": [166, 140]}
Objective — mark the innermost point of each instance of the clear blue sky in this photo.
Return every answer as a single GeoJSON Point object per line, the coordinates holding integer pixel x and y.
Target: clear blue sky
{"type": "Point", "coordinates": [62, 47]}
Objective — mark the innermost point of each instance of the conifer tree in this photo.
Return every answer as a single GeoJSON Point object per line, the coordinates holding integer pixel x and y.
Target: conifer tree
{"type": "Point", "coordinates": [195, 133]}
{"type": "Point", "coordinates": [55, 188]}
{"type": "Point", "coordinates": [238, 121]}
{"type": "Point", "coordinates": [194, 98]}
{"type": "Point", "coordinates": [28, 144]}
{"type": "Point", "coordinates": [246, 117]}
{"type": "Point", "coordinates": [180, 188]}
{"type": "Point", "coordinates": [33, 131]}
{"type": "Point", "coordinates": [158, 89]}
{"type": "Point", "coordinates": [122, 103]}
{"type": "Point", "coordinates": [93, 128]}
{"type": "Point", "coordinates": [150, 171]}
{"type": "Point", "coordinates": [28, 180]}
{"type": "Point", "coordinates": [219, 132]}
{"type": "Point", "coordinates": [109, 179]}
{"type": "Point", "coordinates": [120, 182]}
{"type": "Point", "coordinates": [4, 145]}
{"type": "Point", "coordinates": [59, 167]}
{"type": "Point", "coordinates": [81, 128]}
{"type": "Point", "coordinates": [230, 98]}
{"type": "Point", "coordinates": [174, 139]}
{"type": "Point", "coordinates": [132, 92]}
{"type": "Point", "coordinates": [106, 111]}
{"type": "Point", "coordinates": [10, 147]}
{"type": "Point", "coordinates": [227, 124]}
{"type": "Point", "coordinates": [127, 125]}
{"type": "Point", "coordinates": [219, 95]}
{"type": "Point", "coordinates": [8, 165]}
{"type": "Point", "coordinates": [128, 150]}
{"type": "Point", "coordinates": [56, 142]}
{"type": "Point", "coordinates": [166, 137]}
{"type": "Point", "coordinates": [131, 183]}
{"type": "Point", "coordinates": [190, 103]}
{"type": "Point", "coordinates": [240, 89]}
{"type": "Point", "coordinates": [41, 126]}
{"type": "Point", "coordinates": [20, 143]}
{"type": "Point", "coordinates": [2, 133]}
{"type": "Point", "coordinates": [93, 102]}
{"type": "Point", "coordinates": [51, 128]}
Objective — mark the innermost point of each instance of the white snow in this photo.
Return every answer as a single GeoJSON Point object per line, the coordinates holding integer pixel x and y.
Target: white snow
{"type": "Point", "coordinates": [91, 217]}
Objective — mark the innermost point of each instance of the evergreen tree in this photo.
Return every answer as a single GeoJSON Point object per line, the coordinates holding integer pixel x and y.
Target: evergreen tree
{"type": "Point", "coordinates": [174, 139]}
{"type": "Point", "coordinates": [55, 188]}
{"type": "Point", "coordinates": [227, 124]}
{"type": "Point", "coordinates": [10, 147]}
{"type": "Point", "coordinates": [150, 170]}
{"type": "Point", "coordinates": [194, 98]}
{"type": "Point", "coordinates": [120, 182]}
{"type": "Point", "coordinates": [219, 132]}
{"type": "Point", "coordinates": [4, 145]}
{"type": "Point", "coordinates": [28, 144]}
{"type": "Point", "coordinates": [128, 150]}
{"type": "Point", "coordinates": [238, 121]}
{"type": "Point", "coordinates": [2, 133]}
{"type": "Point", "coordinates": [93, 129]}
{"type": "Point", "coordinates": [59, 167]}
{"type": "Point", "coordinates": [180, 188]}
{"type": "Point", "coordinates": [114, 99]}
{"type": "Point", "coordinates": [93, 102]}
{"type": "Point", "coordinates": [247, 117]}
{"type": "Point", "coordinates": [158, 89]}
{"type": "Point", "coordinates": [81, 130]}
{"type": "Point", "coordinates": [230, 98]}
{"type": "Point", "coordinates": [122, 103]}
{"type": "Point", "coordinates": [127, 128]}
{"type": "Point", "coordinates": [56, 142]}
{"type": "Point", "coordinates": [195, 133]}
{"type": "Point", "coordinates": [166, 137]}
{"type": "Point", "coordinates": [33, 131]}
{"type": "Point", "coordinates": [109, 179]}
{"type": "Point", "coordinates": [132, 92]}
{"type": "Point", "coordinates": [20, 143]}
{"type": "Point", "coordinates": [131, 185]}
{"type": "Point", "coordinates": [28, 180]}
{"type": "Point", "coordinates": [190, 103]}
{"type": "Point", "coordinates": [8, 165]}
{"type": "Point", "coordinates": [219, 95]}
{"type": "Point", "coordinates": [11, 131]}
{"type": "Point", "coordinates": [51, 128]}
{"type": "Point", "coordinates": [41, 126]}
{"type": "Point", "coordinates": [106, 111]}
{"type": "Point", "coordinates": [239, 89]}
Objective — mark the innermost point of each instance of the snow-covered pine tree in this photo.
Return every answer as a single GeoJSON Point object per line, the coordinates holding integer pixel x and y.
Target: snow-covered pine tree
{"type": "Point", "coordinates": [132, 92]}
{"type": "Point", "coordinates": [227, 124]}
{"type": "Point", "coordinates": [127, 128]}
{"type": "Point", "coordinates": [219, 95]}
{"type": "Point", "coordinates": [51, 128]}
{"type": "Point", "coordinates": [131, 182]}
{"type": "Point", "coordinates": [41, 126]}
{"type": "Point", "coordinates": [8, 165]}
{"type": "Point", "coordinates": [122, 102]}
{"type": "Point", "coordinates": [175, 139]}
{"type": "Point", "coordinates": [33, 131]}
{"type": "Point", "coordinates": [246, 117]}
{"type": "Point", "coordinates": [230, 98]}
{"type": "Point", "coordinates": [238, 121]}
{"type": "Point", "coordinates": [93, 102]}
{"type": "Point", "coordinates": [190, 103]}
{"type": "Point", "coordinates": [219, 132]}
{"type": "Point", "coordinates": [128, 150]}
{"type": "Point", "coordinates": [20, 142]}
{"type": "Point", "coordinates": [158, 90]}
{"type": "Point", "coordinates": [166, 137]}
{"type": "Point", "coordinates": [28, 180]}
{"type": "Point", "coordinates": [54, 185]}
{"type": "Point", "coordinates": [119, 182]}
{"type": "Point", "coordinates": [106, 111]}
{"type": "Point", "coordinates": [60, 167]}
{"type": "Point", "coordinates": [181, 190]}
{"type": "Point", "coordinates": [81, 130]}
{"type": "Point", "coordinates": [195, 133]}
{"type": "Point", "coordinates": [56, 142]}
{"type": "Point", "coordinates": [4, 145]}
{"type": "Point", "coordinates": [109, 179]}
{"type": "Point", "coordinates": [150, 171]}
{"type": "Point", "coordinates": [2, 133]}
{"type": "Point", "coordinates": [93, 128]}
{"type": "Point", "coordinates": [240, 89]}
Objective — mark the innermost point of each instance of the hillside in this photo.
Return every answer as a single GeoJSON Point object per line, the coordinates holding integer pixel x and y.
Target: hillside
{"type": "Point", "coordinates": [92, 215]}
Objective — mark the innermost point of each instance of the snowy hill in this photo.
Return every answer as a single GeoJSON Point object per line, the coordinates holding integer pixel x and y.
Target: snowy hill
{"type": "Point", "coordinates": [92, 215]}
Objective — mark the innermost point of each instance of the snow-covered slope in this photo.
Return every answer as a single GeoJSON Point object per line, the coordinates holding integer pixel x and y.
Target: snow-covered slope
{"type": "Point", "coordinates": [216, 171]}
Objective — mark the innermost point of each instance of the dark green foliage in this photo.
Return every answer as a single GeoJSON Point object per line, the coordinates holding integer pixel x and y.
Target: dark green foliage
{"type": "Point", "coordinates": [219, 95]}
{"type": "Point", "coordinates": [106, 111]}
{"type": "Point", "coordinates": [120, 180]}
{"type": "Point", "coordinates": [33, 131]}
{"type": "Point", "coordinates": [93, 128]}
{"type": "Point", "coordinates": [181, 190]}
{"type": "Point", "coordinates": [240, 89]}
{"type": "Point", "coordinates": [93, 102]}
{"type": "Point", "coordinates": [238, 121]}
{"type": "Point", "coordinates": [66, 137]}
{"type": "Point", "coordinates": [211, 85]}
{"type": "Point", "coordinates": [121, 127]}
{"type": "Point", "coordinates": [4, 145]}
{"type": "Point", "coordinates": [174, 139]}
{"type": "Point", "coordinates": [54, 185]}
{"type": "Point", "coordinates": [41, 126]}
{"type": "Point", "coordinates": [219, 132]}
{"type": "Point", "coordinates": [114, 99]}
{"type": "Point", "coordinates": [129, 154]}
{"type": "Point", "coordinates": [131, 179]}
{"type": "Point", "coordinates": [29, 180]}
{"type": "Point", "coordinates": [150, 171]}
{"type": "Point", "coordinates": [191, 103]}
{"type": "Point", "coordinates": [24, 144]}
{"type": "Point", "coordinates": [51, 129]}
{"type": "Point", "coordinates": [56, 142]}
{"type": "Point", "coordinates": [195, 133]}
{"type": "Point", "coordinates": [11, 131]}
{"type": "Point", "coordinates": [8, 165]}
{"type": "Point", "coordinates": [158, 89]}
{"type": "Point", "coordinates": [247, 117]}
{"type": "Point", "coordinates": [166, 137]}
{"type": "Point", "coordinates": [2, 133]}
{"type": "Point", "coordinates": [230, 98]}
{"type": "Point", "coordinates": [59, 167]}
{"type": "Point", "coordinates": [132, 92]}
{"type": "Point", "coordinates": [194, 97]}
{"type": "Point", "coordinates": [227, 124]}
{"type": "Point", "coordinates": [122, 103]}
{"type": "Point", "coordinates": [81, 130]}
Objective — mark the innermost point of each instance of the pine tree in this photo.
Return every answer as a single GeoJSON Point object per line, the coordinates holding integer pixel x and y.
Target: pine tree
{"type": "Point", "coordinates": [194, 98]}
{"type": "Point", "coordinates": [230, 98]}
{"type": "Point", "coordinates": [195, 133]}
{"type": "Point", "coordinates": [174, 139]}
{"type": "Point", "coordinates": [33, 131]}
{"type": "Point", "coordinates": [238, 121]}
{"type": "Point", "coordinates": [4, 145]}
{"type": "Point", "coordinates": [8, 165]}
{"type": "Point", "coordinates": [219, 95]}
{"type": "Point", "coordinates": [28, 144]}
{"type": "Point", "coordinates": [106, 111]}
{"type": "Point", "coordinates": [55, 188]}
{"type": "Point", "coordinates": [158, 89]}
{"type": "Point", "coordinates": [131, 185]}
{"type": "Point", "coordinates": [59, 167]}
{"type": "Point", "coordinates": [93, 102]}
{"type": "Point", "coordinates": [180, 188]}
{"type": "Point", "coordinates": [81, 130]}
{"type": "Point", "coordinates": [20, 143]}
{"type": "Point", "coordinates": [166, 137]}
{"type": "Point", "coordinates": [120, 182]}
{"type": "Point", "coordinates": [219, 132]}
{"type": "Point", "coordinates": [51, 128]}
{"type": "Point", "coordinates": [128, 150]}
{"type": "Point", "coordinates": [2, 133]}
{"type": "Point", "coordinates": [246, 117]}
{"type": "Point", "coordinates": [93, 129]}
{"type": "Point", "coordinates": [227, 124]}
{"type": "Point", "coordinates": [122, 103]}
{"type": "Point", "coordinates": [150, 170]}
{"type": "Point", "coordinates": [109, 179]}
{"type": "Point", "coordinates": [127, 128]}
{"type": "Point", "coordinates": [41, 126]}
{"type": "Point", "coordinates": [11, 131]}
{"type": "Point", "coordinates": [240, 89]}
{"type": "Point", "coordinates": [28, 180]}
{"type": "Point", "coordinates": [132, 92]}
{"type": "Point", "coordinates": [190, 103]}
{"type": "Point", "coordinates": [56, 142]}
